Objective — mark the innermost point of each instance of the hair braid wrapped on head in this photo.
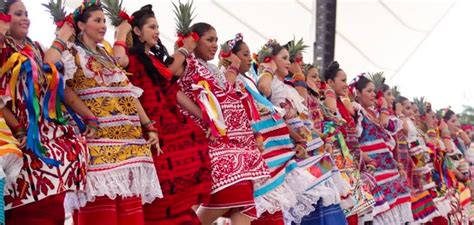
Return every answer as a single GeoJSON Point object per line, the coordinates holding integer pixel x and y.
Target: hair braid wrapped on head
{"type": "Point", "coordinates": [158, 76]}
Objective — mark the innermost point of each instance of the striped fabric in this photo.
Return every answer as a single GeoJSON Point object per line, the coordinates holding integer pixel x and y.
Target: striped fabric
{"type": "Point", "coordinates": [2, 202]}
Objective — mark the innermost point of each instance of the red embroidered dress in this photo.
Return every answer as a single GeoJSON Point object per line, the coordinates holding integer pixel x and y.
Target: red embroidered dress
{"type": "Point", "coordinates": [184, 165]}
{"type": "Point", "coordinates": [235, 157]}
{"type": "Point", "coordinates": [37, 180]}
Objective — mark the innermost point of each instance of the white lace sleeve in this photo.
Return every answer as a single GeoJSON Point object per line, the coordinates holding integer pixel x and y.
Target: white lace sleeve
{"type": "Point", "coordinates": [69, 63]}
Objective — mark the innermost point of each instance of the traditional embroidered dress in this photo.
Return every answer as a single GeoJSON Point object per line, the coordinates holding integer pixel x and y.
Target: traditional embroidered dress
{"type": "Point", "coordinates": [120, 163]}
{"type": "Point", "coordinates": [235, 158]}
{"type": "Point", "coordinates": [10, 160]}
{"type": "Point", "coordinates": [285, 190]}
{"type": "Point", "coordinates": [463, 193]}
{"type": "Point", "coordinates": [328, 183]}
{"type": "Point", "coordinates": [377, 144]}
{"type": "Point", "coordinates": [184, 165]}
{"type": "Point", "coordinates": [423, 206]}
{"type": "Point", "coordinates": [441, 196]}
{"type": "Point", "coordinates": [364, 191]}
{"type": "Point", "coordinates": [61, 167]}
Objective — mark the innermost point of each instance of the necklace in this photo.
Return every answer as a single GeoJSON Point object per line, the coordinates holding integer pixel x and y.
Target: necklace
{"type": "Point", "coordinates": [372, 117]}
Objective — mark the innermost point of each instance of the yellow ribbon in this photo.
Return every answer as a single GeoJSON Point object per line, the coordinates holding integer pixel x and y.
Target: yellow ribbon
{"type": "Point", "coordinates": [214, 111]}
{"type": "Point", "coordinates": [15, 61]}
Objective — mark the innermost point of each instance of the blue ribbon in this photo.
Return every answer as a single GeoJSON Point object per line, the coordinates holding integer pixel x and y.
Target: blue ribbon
{"type": "Point", "coordinates": [75, 117]}
{"type": "Point", "coordinates": [33, 141]}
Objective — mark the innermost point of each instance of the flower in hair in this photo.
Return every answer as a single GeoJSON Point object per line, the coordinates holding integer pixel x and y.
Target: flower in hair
{"type": "Point", "coordinates": [226, 48]}
{"type": "Point", "coordinates": [265, 53]}
{"type": "Point", "coordinates": [85, 5]}
{"type": "Point", "coordinates": [353, 83]}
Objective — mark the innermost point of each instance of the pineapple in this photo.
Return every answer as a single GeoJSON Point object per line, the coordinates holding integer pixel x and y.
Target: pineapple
{"type": "Point", "coordinates": [396, 91]}
{"type": "Point", "coordinates": [56, 9]}
{"type": "Point", "coordinates": [294, 47]}
{"type": "Point", "coordinates": [420, 102]}
{"type": "Point", "coordinates": [113, 9]}
{"type": "Point", "coordinates": [184, 17]}
{"type": "Point", "coordinates": [378, 79]}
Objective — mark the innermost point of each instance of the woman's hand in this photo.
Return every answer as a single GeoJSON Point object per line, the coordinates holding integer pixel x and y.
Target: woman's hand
{"type": "Point", "coordinates": [154, 140]}
{"type": "Point", "coordinates": [66, 32]}
{"type": "Point", "coordinates": [189, 43]}
{"type": "Point", "coordinates": [123, 29]}
{"type": "Point", "coordinates": [295, 68]}
{"type": "Point", "coordinates": [22, 142]}
{"type": "Point", "coordinates": [4, 27]}
{"type": "Point", "coordinates": [90, 132]}
{"type": "Point", "coordinates": [270, 65]}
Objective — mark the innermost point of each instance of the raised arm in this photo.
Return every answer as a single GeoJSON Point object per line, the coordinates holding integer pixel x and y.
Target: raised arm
{"type": "Point", "coordinates": [120, 46]}
{"type": "Point", "coordinates": [180, 55]}
{"type": "Point", "coordinates": [53, 54]}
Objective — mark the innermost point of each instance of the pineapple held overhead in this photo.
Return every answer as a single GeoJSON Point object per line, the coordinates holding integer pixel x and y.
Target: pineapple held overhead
{"type": "Point", "coordinates": [184, 17]}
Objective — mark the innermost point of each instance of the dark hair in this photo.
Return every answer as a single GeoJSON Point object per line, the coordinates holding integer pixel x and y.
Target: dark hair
{"type": "Point", "coordinates": [8, 4]}
{"type": "Point", "coordinates": [401, 99]}
{"type": "Point", "coordinates": [449, 113]}
{"type": "Point", "coordinates": [384, 88]}
{"type": "Point", "coordinates": [237, 47]}
{"type": "Point", "coordinates": [84, 16]}
{"type": "Point", "coordinates": [331, 70]}
{"type": "Point", "coordinates": [362, 83]}
{"type": "Point", "coordinates": [140, 18]}
{"type": "Point", "coordinates": [201, 28]}
{"type": "Point", "coordinates": [276, 48]}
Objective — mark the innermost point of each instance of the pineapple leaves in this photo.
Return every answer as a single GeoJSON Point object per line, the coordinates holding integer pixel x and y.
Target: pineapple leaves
{"type": "Point", "coordinates": [184, 14]}
{"type": "Point", "coordinates": [112, 10]}
{"type": "Point", "coordinates": [56, 9]}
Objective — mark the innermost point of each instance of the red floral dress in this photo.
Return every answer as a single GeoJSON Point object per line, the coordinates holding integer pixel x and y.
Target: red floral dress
{"type": "Point", "coordinates": [37, 180]}
{"type": "Point", "coordinates": [235, 158]}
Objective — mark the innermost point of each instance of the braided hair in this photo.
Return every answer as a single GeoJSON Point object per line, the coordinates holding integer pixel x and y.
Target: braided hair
{"type": "Point", "coordinates": [159, 51]}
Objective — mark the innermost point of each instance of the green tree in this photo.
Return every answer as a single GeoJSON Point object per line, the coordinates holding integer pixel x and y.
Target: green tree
{"type": "Point", "coordinates": [467, 115]}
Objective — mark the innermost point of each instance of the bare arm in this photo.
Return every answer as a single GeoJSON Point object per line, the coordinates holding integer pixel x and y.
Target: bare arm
{"type": "Point", "coordinates": [177, 67]}
{"type": "Point", "coordinates": [188, 104]}
{"type": "Point", "coordinates": [10, 118]}
{"type": "Point", "coordinates": [77, 105]}
{"type": "Point", "coordinates": [120, 52]}
{"type": "Point", "coordinates": [264, 84]}
{"type": "Point", "coordinates": [53, 54]}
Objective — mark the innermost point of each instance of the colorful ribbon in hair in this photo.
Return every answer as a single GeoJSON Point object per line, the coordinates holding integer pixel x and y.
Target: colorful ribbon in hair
{"type": "Point", "coordinates": [230, 45]}
{"type": "Point", "coordinates": [354, 82]}
{"type": "Point", "coordinates": [265, 53]}
{"type": "Point", "coordinates": [85, 4]}
{"type": "Point", "coordinates": [210, 107]}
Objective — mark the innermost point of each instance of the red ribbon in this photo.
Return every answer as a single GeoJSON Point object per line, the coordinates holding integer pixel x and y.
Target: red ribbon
{"type": "Point", "coordinates": [298, 60]}
{"type": "Point", "coordinates": [267, 59]}
{"type": "Point", "coordinates": [5, 18]}
{"type": "Point", "coordinates": [68, 19]}
{"type": "Point", "coordinates": [379, 97]}
{"type": "Point", "coordinates": [225, 54]}
{"type": "Point", "coordinates": [181, 37]}
{"type": "Point", "coordinates": [125, 16]}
